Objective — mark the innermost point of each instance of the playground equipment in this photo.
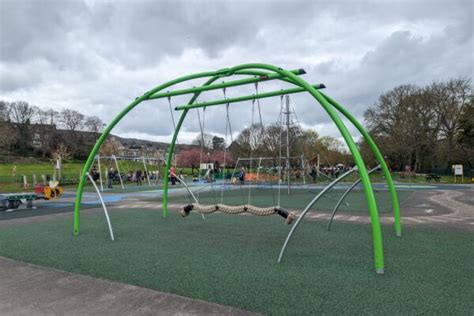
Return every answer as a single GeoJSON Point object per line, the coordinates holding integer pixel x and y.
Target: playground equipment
{"type": "Point", "coordinates": [124, 166]}
{"type": "Point", "coordinates": [49, 191]}
{"type": "Point", "coordinates": [267, 169]}
{"type": "Point", "coordinates": [341, 199]}
{"type": "Point", "coordinates": [13, 201]}
{"type": "Point", "coordinates": [260, 73]}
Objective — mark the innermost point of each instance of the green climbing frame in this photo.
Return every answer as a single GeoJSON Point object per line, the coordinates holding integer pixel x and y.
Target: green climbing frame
{"type": "Point", "coordinates": [259, 73]}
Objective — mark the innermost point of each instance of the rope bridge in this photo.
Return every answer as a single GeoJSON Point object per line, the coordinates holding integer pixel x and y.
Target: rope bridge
{"type": "Point", "coordinates": [238, 209]}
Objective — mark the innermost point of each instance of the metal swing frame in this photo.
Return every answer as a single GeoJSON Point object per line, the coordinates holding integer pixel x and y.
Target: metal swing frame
{"type": "Point", "coordinates": [259, 72]}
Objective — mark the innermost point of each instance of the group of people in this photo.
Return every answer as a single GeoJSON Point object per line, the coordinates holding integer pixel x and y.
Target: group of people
{"type": "Point", "coordinates": [334, 171]}
{"type": "Point", "coordinates": [137, 176]}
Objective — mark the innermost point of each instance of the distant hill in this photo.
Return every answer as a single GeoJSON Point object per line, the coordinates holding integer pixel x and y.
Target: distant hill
{"type": "Point", "coordinates": [135, 142]}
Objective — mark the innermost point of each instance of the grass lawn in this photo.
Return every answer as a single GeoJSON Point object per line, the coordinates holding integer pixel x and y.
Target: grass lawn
{"type": "Point", "coordinates": [29, 169]}
{"type": "Point", "coordinates": [231, 260]}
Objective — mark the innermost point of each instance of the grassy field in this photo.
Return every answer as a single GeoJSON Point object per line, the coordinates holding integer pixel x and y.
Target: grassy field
{"type": "Point", "coordinates": [71, 171]}
{"type": "Point", "coordinates": [29, 169]}
{"type": "Point", "coordinates": [231, 260]}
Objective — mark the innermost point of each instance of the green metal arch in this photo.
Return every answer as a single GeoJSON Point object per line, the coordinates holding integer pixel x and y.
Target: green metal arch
{"type": "Point", "coordinates": [375, 221]}
{"type": "Point", "coordinates": [288, 76]}
{"type": "Point", "coordinates": [215, 74]}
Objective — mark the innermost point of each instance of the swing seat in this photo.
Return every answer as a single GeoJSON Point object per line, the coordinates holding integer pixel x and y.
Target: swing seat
{"type": "Point", "coordinates": [237, 209]}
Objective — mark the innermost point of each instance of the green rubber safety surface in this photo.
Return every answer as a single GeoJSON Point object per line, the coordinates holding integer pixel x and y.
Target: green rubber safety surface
{"type": "Point", "coordinates": [298, 199]}
{"type": "Point", "coordinates": [41, 210]}
{"type": "Point", "coordinates": [231, 260]}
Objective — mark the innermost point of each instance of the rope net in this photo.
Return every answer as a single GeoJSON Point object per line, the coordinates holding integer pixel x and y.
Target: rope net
{"type": "Point", "coordinates": [238, 209]}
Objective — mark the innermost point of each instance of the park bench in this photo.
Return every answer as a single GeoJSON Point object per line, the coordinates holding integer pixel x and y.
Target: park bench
{"type": "Point", "coordinates": [14, 200]}
{"type": "Point", "coordinates": [432, 176]}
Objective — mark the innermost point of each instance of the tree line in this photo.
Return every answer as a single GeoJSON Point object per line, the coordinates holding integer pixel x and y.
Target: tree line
{"type": "Point", "coordinates": [424, 127]}
{"type": "Point", "coordinates": [29, 130]}
{"type": "Point", "coordinates": [266, 142]}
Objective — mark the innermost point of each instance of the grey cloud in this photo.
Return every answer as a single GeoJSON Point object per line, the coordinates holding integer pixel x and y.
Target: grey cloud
{"type": "Point", "coordinates": [98, 56]}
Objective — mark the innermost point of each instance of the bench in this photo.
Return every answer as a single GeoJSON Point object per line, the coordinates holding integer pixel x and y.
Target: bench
{"type": "Point", "coordinates": [14, 200]}
{"type": "Point", "coordinates": [432, 176]}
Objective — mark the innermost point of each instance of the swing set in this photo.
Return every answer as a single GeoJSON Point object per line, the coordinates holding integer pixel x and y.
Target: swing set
{"type": "Point", "coordinates": [127, 169]}
{"type": "Point", "coordinates": [254, 74]}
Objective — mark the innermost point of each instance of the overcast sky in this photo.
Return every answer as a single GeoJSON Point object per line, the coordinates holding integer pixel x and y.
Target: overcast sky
{"type": "Point", "coordinates": [97, 56]}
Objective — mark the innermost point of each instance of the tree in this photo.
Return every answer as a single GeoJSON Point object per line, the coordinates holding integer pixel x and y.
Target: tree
{"type": "Point", "coordinates": [219, 156]}
{"type": "Point", "coordinates": [94, 124]}
{"type": "Point", "coordinates": [7, 130]}
{"type": "Point", "coordinates": [418, 126]}
{"type": "Point", "coordinates": [465, 134]}
{"type": "Point", "coordinates": [61, 154]}
{"type": "Point", "coordinates": [54, 117]}
{"type": "Point", "coordinates": [452, 97]}
{"type": "Point", "coordinates": [205, 138]}
{"type": "Point", "coordinates": [332, 151]}
{"type": "Point", "coordinates": [21, 114]}
{"type": "Point", "coordinates": [4, 108]}
{"type": "Point", "coordinates": [218, 143]}
{"type": "Point", "coordinates": [189, 158]}
{"type": "Point", "coordinates": [44, 130]}
{"type": "Point", "coordinates": [73, 121]}
{"type": "Point", "coordinates": [110, 147]}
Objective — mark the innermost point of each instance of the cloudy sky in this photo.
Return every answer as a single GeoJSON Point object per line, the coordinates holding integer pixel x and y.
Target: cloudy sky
{"type": "Point", "coordinates": [97, 56]}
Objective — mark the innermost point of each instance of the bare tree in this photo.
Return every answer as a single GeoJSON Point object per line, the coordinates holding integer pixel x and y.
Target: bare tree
{"type": "Point", "coordinates": [419, 126]}
{"type": "Point", "coordinates": [21, 112]}
{"type": "Point", "coordinates": [94, 124]}
{"type": "Point", "coordinates": [44, 132]}
{"type": "Point", "coordinates": [110, 147]}
{"type": "Point", "coordinates": [72, 120]}
{"type": "Point", "coordinates": [466, 133]}
{"type": "Point", "coordinates": [54, 117]}
{"type": "Point", "coordinates": [7, 131]}
{"type": "Point", "coordinates": [4, 107]}
{"type": "Point", "coordinates": [207, 138]}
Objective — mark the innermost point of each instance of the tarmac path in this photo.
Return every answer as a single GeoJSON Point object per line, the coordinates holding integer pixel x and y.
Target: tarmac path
{"type": "Point", "coordinates": [27, 289]}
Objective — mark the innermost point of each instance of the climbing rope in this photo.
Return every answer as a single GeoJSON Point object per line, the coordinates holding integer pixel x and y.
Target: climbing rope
{"type": "Point", "coordinates": [228, 209]}
{"type": "Point", "coordinates": [227, 123]}
{"type": "Point", "coordinates": [279, 154]}
{"type": "Point", "coordinates": [174, 126]}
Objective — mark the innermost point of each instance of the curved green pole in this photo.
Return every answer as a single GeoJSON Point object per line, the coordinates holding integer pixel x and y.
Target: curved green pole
{"type": "Point", "coordinates": [376, 230]}
{"type": "Point", "coordinates": [375, 221]}
{"type": "Point", "coordinates": [374, 216]}
{"type": "Point", "coordinates": [380, 159]}
{"type": "Point", "coordinates": [170, 158]}
{"type": "Point", "coordinates": [172, 146]}
{"type": "Point", "coordinates": [107, 131]}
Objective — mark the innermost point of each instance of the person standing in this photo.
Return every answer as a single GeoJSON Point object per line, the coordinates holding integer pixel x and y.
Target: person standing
{"type": "Point", "coordinates": [110, 176]}
{"type": "Point", "coordinates": [209, 174]}
{"type": "Point", "coordinates": [138, 175]}
{"type": "Point", "coordinates": [173, 175]}
{"type": "Point", "coordinates": [242, 175]}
